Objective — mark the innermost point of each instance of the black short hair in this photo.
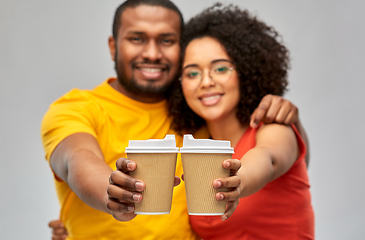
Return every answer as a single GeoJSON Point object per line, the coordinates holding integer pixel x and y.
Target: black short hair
{"type": "Point", "coordinates": [258, 54]}
{"type": "Point", "coordinates": [135, 3]}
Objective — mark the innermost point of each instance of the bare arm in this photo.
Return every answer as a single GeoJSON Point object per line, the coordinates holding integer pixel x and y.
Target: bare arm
{"type": "Point", "coordinates": [275, 152]}
{"type": "Point", "coordinates": [79, 162]}
{"type": "Point", "coordinates": [275, 109]}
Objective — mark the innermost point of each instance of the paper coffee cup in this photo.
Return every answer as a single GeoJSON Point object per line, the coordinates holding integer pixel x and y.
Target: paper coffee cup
{"type": "Point", "coordinates": [156, 164]}
{"type": "Point", "coordinates": [202, 161]}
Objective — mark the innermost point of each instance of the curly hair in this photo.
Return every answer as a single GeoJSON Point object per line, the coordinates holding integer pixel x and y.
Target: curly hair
{"type": "Point", "coordinates": [259, 56]}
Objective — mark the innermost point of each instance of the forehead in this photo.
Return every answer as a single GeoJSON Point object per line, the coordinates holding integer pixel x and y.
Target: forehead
{"type": "Point", "coordinates": [150, 20]}
{"type": "Point", "coordinates": [202, 51]}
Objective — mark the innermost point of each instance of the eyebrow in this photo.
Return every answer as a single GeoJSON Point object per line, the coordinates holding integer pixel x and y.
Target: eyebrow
{"type": "Point", "coordinates": [214, 61]}
{"type": "Point", "coordinates": [143, 33]}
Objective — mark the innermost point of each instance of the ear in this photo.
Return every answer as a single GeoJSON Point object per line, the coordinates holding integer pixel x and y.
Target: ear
{"type": "Point", "coordinates": [112, 46]}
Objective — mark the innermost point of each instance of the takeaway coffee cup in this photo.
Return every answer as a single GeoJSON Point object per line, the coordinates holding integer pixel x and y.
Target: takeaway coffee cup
{"type": "Point", "coordinates": [156, 163]}
{"type": "Point", "coordinates": [202, 163]}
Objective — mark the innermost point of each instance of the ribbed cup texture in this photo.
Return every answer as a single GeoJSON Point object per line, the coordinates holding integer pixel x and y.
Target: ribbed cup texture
{"type": "Point", "coordinates": [200, 170]}
{"type": "Point", "coordinates": [157, 171]}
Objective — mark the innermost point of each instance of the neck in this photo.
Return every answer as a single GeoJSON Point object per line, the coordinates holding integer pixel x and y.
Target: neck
{"type": "Point", "coordinates": [138, 97]}
{"type": "Point", "coordinates": [228, 128]}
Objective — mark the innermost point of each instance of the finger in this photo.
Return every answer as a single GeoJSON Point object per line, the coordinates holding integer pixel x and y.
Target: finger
{"type": "Point", "coordinates": [59, 237]}
{"type": "Point", "coordinates": [55, 224]}
{"type": "Point", "coordinates": [233, 164]}
{"type": "Point", "coordinates": [292, 116]}
{"type": "Point", "coordinates": [123, 216]}
{"type": "Point", "coordinates": [115, 206]}
{"type": "Point", "coordinates": [260, 112]}
{"type": "Point", "coordinates": [272, 112]}
{"type": "Point", "coordinates": [125, 165]}
{"type": "Point", "coordinates": [177, 181]}
{"type": "Point", "coordinates": [232, 195]}
{"type": "Point", "coordinates": [253, 123]}
{"type": "Point", "coordinates": [230, 182]}
{"type": "Point", "coordinates": [231, 207]}
{"type": "Point", "coordinates": [283, 112]}
{"type": "Point", "coordinates": [125, 181]}
{"type": "Point", "coordinates": [123, 195]}
{"type": "Point", "coordinates": [59, 231]}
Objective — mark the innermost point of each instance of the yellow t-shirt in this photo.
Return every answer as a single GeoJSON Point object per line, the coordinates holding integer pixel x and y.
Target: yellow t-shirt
{"type": "Point", "coordinates": [113, 119]}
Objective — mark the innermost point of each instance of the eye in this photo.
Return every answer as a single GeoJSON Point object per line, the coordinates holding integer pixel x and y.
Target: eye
{"type": "Point", "coordinates": [136, 39]}
{"type": "Point", "coordinates": [192, 74]}
{"type": "Point", "coordinates": [167, 42]}
{"type": "Point", "coordinates": [221, 69]}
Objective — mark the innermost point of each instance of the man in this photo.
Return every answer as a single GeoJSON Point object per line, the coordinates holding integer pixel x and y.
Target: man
{"type": "Point", "coordinates": [85, 132]}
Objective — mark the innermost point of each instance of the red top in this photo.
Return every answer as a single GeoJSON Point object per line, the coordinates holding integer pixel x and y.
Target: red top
{"type": "Point", "coordinates": [280, 210]}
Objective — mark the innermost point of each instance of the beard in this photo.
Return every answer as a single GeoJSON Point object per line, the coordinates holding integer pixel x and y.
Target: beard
{"type": "Point", "coordinates": [131, 85]}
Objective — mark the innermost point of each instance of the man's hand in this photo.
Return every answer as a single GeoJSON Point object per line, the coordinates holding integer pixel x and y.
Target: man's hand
{"type": "Point", "coordinates": [233, 184]}
{"type": "Point", "coordinates": [59, 232]}
{"type": "Point", "coordinates": [124, 190]}
{"type": "Point", "coordinates": [274, 109]}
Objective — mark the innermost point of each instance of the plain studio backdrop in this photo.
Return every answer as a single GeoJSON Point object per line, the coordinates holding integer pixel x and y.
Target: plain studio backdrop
{"type": "Point", "coordinates": [48, 47]}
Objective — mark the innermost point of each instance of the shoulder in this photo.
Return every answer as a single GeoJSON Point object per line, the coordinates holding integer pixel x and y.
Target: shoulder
{"type": "Point", "coordinates": [276, 134]}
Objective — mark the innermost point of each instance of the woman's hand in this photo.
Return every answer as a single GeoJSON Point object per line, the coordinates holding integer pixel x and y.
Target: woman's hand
{"type": "Point", "coordinates": [59, 231]}
{"type": "Point", "coordinates": [233, 184]}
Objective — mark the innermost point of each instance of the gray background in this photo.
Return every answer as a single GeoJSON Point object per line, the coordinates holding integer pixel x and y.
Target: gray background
{"type": "Point", "coordinates": [48, 47]}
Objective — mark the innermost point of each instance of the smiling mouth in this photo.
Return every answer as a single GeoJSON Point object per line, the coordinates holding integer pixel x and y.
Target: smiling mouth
{"type": "Point", "coordinates": [151, 72]}
{"type": "Point", "coordinates": [209, 98]}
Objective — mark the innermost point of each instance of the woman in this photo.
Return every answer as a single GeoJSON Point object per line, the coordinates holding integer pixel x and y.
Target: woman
{"type": "Point", "coordinates": [231, 60]}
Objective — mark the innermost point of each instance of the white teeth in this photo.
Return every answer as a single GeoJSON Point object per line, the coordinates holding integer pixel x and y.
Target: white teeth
{"type": "Point", "coordinates": [152, 70]}
{"type": "Point", "coordinates": [211, 97]}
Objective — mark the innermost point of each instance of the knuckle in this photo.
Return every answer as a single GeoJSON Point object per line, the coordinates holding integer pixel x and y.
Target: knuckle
{"type": "Point", "coordinates": [269, 118]}
{"type": "Point", "coordinates": [278, 99]}
{"type": "Point", "coordinates": [127, 195]}
{"type": "Point", "coordinates": [263, 106]}
{"type": "Point", "coordinates": [112, 177]}
{"type": "Point", "coordinates": [268, 96]}
{"type": "Point", "coordinates": [109, 205]}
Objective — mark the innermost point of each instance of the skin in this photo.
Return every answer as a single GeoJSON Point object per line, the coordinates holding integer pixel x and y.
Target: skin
{"type": "Point", "coordinates": [276, 147]}
{"type": "Point", "coordinates": [148, 50]}
{"type": "Point", "coordinates": [58, 230]}
{"type": "Point", "coordinates": [139, 45]}
{"type": "Point", "coordinates": [78, 160]}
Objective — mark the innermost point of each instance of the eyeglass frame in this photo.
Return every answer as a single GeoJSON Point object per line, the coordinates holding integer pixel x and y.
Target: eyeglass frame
{"type": "Point", "coordinates": [209, 73]}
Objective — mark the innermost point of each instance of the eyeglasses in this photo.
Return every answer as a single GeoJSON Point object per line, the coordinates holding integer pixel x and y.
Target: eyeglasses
{"type": "Point", "coordinates": [220, 72]}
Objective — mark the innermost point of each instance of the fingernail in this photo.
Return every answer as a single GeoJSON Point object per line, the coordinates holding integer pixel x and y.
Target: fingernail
{"type": "Point", "coordinates": [221, 196]}
{"type": "Point", "coordinates": [139, 186]}
{"type": "Point", "coordinates": [136, 197]}
{"type": "Point", "coordinates": [224, 217]}
{"type": "Point", "coordinates": [129, 166]}
{"type": "Point", "coordinates": [218, 184]}
{"type": "Point", "coordinates": [130, 208]}
{"type": "Point", "coordinates": [227, 164]}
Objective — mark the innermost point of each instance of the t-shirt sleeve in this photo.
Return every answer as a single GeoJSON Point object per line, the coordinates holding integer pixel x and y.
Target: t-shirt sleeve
{"type": "Point", "coordinates": [75, 112]}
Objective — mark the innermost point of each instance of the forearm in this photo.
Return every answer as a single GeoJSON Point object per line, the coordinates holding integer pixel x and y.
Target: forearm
{"type": "Point", "coordinates": [255, 172]}
{"type": "Point", "coordinates": [85, 171]}
{"type": "Point", "coordinates": [88, 177]}
{"type": "Point", "coordinates": [302, 132]}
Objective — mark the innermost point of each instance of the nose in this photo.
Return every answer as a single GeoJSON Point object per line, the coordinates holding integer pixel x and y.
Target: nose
{"type": "Point", "coordinates": [152, 51]}
{"type": "Point", "coordinates": [207, 80]}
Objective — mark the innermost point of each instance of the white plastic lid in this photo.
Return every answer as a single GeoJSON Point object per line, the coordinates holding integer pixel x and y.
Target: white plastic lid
{"type": "Point", "coordinates": [192, 145]}
{"type": "Point", "coordinates": [166, 145]}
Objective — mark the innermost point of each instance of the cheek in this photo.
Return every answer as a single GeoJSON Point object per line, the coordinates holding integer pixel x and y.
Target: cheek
{"type": "Point", "coordinates": [128, 52]}
{"type": "Point", "coordinates": [189, 98]}
{"type": "Point", "coordinates": [173, 56]}
{"type": "Point", "coordinates": [235, 95]}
